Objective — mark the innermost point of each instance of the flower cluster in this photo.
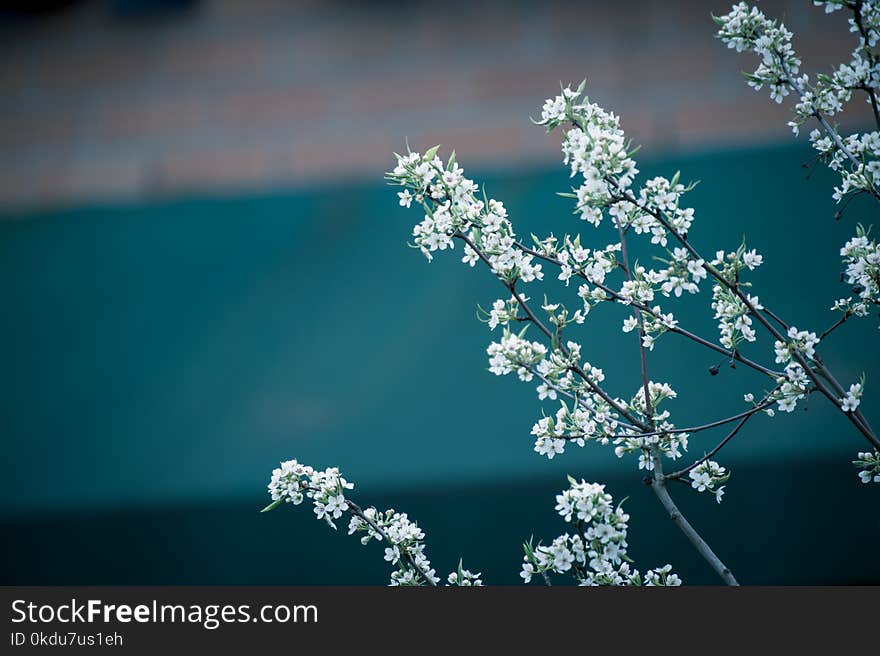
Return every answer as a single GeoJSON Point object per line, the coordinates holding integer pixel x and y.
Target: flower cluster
{"type": "Point", "coordinates": [861, 257]}
{"type": "Point", "coordinates": [590, 419]}
{"type": "Point", "coordinates": [667, 440]}
{"type": "Point", "coordinates": [501, 314]}
{"type": "Point", "coordinates": [406, 548]}
{"type": "Point", "coordinates": [513, 353]}
{"type": "Point", "coordinates": [464, 578]}
{"type": "Point", "coordinates": [732, 313]}
{"type": "Point", "coordinates": [595, 148]}
{"type": "Point", "coordinates": [707, 476]}
{"type": "Point", "coordinates": [869, 464]}
{"type": "Point", "coordinates": [734, 322]}
{"type": "Point", "coordinates": [662, 577]}
{"type": "Point", "coordinates": [790, 387]}
{"type": "Point", "coordinates": [854, 157]}
{"type": "Point", "coordinates": [293, 481]}
{"type": "Point", "coordinates": [747, 28]}
{"type": "Point", "coordinates": [850, 308]}
{"type": "Point", "coordinates": [799, 341]}
{"type": "Point", "coordinates": [595, 554]}
{"type": "Point", "coordinates": [853, 397]}
{"type": "Point", "coordinates": [591, 266]}
{"type": "Point", "coordinates": [452, 210]}
{"type": "Point", "coordinates": [654, 323]}
{"type": "Point", "coordinates": [658, 392]}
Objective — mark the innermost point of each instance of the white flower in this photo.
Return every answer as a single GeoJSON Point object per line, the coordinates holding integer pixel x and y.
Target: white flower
{"type": "Point", "coordinates": [706, 476]}
{"type": "Point", "coordinates": [549, 446]}
{"type": "Point", "coordinates": [752, 259]}
{"type": "Point", "coordinates": [546, 392]}
{"type": "Point", "coordinates": [869, 464]}
{"type": "Point", "coordinates": [851, 401]}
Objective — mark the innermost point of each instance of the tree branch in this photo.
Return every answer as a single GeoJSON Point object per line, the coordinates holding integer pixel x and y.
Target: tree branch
{"type": "Point", "coordinates": [658, 484]}
{"type": "Point", "coordinates": [732, 354]}
{"type": "Point", "coordinates": [831, 132]}
{"type": "Point", "coordinates": [859, 422]}
{"type": "Point", "coordinates": [860, 23]}
{"type": "Point", "coordinates": [718, 447]}
{"type": "Point", "coordinates": [511, 286]}
{"type": "Point", "coordinates": [659, 487]}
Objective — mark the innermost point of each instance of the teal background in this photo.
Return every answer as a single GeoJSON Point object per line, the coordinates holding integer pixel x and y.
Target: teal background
{"type": "Point", "coordinates": [160, 359]}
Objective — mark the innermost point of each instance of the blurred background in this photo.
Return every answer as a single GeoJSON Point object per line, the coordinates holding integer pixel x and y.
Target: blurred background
{"type": "Point", "coordinates": [202, 273]}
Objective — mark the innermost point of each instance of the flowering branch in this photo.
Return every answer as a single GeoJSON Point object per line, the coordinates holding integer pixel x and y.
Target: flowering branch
{"type": "Point", "coordinates": [761, 407]}
{"type": "Point", "coordinates": [672, 327]}
{"type": "Point", "coordinates": [857, 8]}
{"type": "Point", "coordinates": [658, 484]}
{"type": "Point", "coordinates": [826, 127]}
{"type": "Point", "coordinates": [742, 422]}
{"type": "Point", "coordinates": [595, 554]}
{"type": "Point", "coordinates": [293, 482]}
{"type": "Point", "coordinates": [753, 307]}
{"type": "Point", "coordinates": [595, 148]}
{"type": "Point", "coordinates": [747, 28]}
{"type": "Point", "coordinates": [511, 286]}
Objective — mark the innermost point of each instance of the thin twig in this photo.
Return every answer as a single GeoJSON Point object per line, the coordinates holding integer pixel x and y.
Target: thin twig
{"type": "Point", "coordinates": [712, 424]}
{"type": "Point", "coordinates": [711, 453]}
{"type": "Point", "coordinates": [837, 323]}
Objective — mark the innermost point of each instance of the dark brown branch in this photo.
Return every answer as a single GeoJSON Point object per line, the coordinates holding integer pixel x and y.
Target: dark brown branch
{"type": "Point", "coordinates": [711, 453]}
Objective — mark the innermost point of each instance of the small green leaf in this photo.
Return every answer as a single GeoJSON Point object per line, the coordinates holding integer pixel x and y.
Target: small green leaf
{"type": "Point", "coordinates": [273, 505]}
{"type": "Point", "coordinates": [430, 153]}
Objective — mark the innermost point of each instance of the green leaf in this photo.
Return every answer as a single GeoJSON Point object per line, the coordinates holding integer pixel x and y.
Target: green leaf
{"type": "Point", "coordinates": [430, 153]}
{"type": "Point", "coordinates": [273, 505]}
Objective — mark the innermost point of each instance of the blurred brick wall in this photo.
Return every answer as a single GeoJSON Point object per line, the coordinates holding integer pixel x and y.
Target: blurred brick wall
{"type": "Point", "coordinates": [246, 95]}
